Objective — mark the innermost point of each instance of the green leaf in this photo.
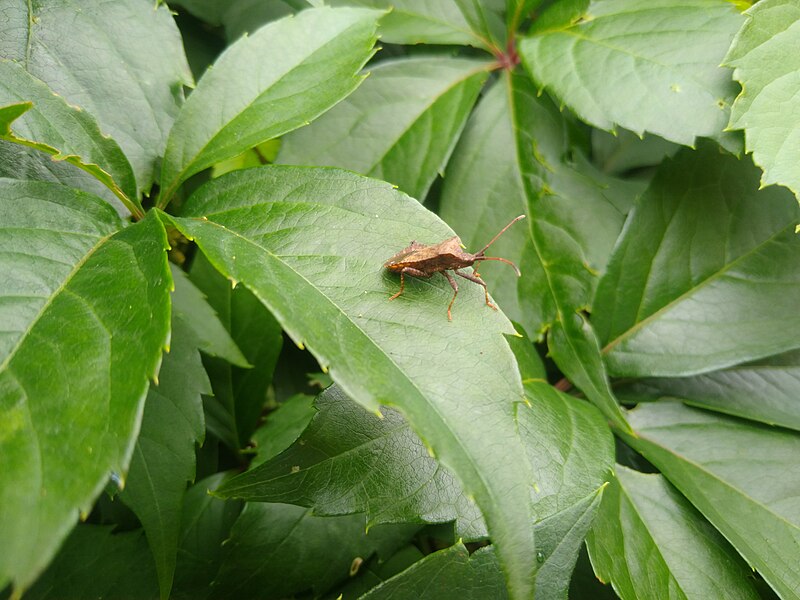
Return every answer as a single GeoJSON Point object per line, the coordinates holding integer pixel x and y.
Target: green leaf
{"type": "Point", "coordinates": [284, 425]}
{"type": "Point", "coordinates": [511, 160]}
{"type": "Point", "coordinates": [624, 151]}
{"type": "Point", "coordinates": [277, 550]}
{"type": "Point", "coordinates": [312, 61]}
{"type": "Point", "coordinates": [85, 314]}
{"type": "Point", "coordinates": [122, 62]}
{"type": "Point", "coordinates": [560, 538]}
{"type": "Point", "coordinates": [164, 457]}
{"type": "Point", "coordinates": [528, 360]}
{"type": "Point", "coordinates": [741, 476]}
{"type": "Point", "coordinates": [765, 391]}
{"type": "Point", "coordinates": [405, 141]}
{"type": "Point", "coordinates": [486, 19]}
{"type": "Point", "coordinates": [96, 563]}
{"type": "Point", "coordinates": [383, 469]}
{"type": "Point", "coordinates": [645, 66]}
{"type": "Point", "coordinates": [190, 306]}
{"type": "Point", "coordinates": [309, 244]}
{"type": "Point", "coordinates": [450, 574]}
{"type": "Point", "coordinates": [239, 394]}
{"type": "Point", "coordinates": [648, 539]}
{"type": "Point", "coordinates": [206, 524]}
{"type": "Point", "coordinates": [679, 298]}
{"type": "Point", "coordinates": [768, 108]}
{"type": "Point", "coordinates": [63, 131]}
{"type": "Point", "coordinates": [375, 572]}
{"type": "Point", "coordinates": [349, 461]}
{"type": "Point", "coordinates": [422, 22]}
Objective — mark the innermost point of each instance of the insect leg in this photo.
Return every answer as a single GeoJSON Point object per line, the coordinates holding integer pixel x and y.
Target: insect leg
{"type": "Point", "coordinates": [454, 285]}
{"type": "Point", "coordinates": [474, 277]}
{"type": "Point", "coordinates": [409, 271]}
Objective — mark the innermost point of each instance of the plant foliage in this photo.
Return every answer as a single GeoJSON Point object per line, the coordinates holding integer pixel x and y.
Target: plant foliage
{"type": "Point", "coordinates": [205, 392]}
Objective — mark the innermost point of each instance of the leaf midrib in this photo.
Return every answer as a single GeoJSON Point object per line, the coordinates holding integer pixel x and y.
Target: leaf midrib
{"type": "Point", "coordinates": [435, 409]}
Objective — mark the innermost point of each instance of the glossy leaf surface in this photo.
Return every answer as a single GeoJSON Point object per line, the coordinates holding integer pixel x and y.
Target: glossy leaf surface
{"type": "Point", "coordinates": [406, 141]}
{"type": "Point", "coordinates": [81, 296]}
{"type": "Point", "coordinates": [645, 66]}
{"type": "Point", "coordinates": [742, 476]}
{"type": "Point", "coordinates": [120, 61]}
{"type": "Point", "coordinates": [243, 100]}
{"type": "Point", "coordinates": [648, 539]}
{"type": "Point", "coordinates": [678, 298]}
{"type": "Point", "coordinates": [768, 109]}
{"type": "Point", "coordinates": [261, 227]}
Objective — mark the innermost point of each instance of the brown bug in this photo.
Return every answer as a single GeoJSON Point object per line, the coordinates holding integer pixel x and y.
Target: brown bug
{"type": "Point", "coordinates": [423, 260]}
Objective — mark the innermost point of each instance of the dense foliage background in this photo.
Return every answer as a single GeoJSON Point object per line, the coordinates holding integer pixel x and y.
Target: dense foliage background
{"type": "Point", "coordinates": [194, 299]}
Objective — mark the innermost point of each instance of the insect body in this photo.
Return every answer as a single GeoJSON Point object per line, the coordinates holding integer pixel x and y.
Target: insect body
{"type": "Point", "coordinates": [422, 260]}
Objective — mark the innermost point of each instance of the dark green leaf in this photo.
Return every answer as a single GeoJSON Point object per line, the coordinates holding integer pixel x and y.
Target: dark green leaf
{"type": "Point", "coordinates": [650, 66]}
{"type": "Point", "coordinates": [283, 427]}
{"type": "Point", "coordinates": [239, 394]}
{"type": "Point", "coordinates": [120, 61]}
{"type": "Point", "coordinates": [405, 141]}
{"type": "Point", "coordinates": [63, 131]}
{"type": "Point", "coordinates": [765, 391]}
{"type": "Point", "coordinates": [190, 305]}
{"type": "Point", "coordinates": [276, 550]}
{"type": "Point", "coordinates": [96, 563]}
{"type": "Point", "coordinates": [679, 297]}
{"type": "Point", "coordinates": [486, 20]}
{"type": "Point", "coordinates": [264, 227]}
{"type": "Point", "coordinates": [450, 574]}
{"type": "Point", "coordinates": [349, 461]}
{"type": "Point", "coordinates": [743, 477]}
{"type": "Point", "coordinates": [625, 151]}
{"type": "Point", "coordinates": [766, 63]}
{"type": "Point", "coordinates": [85, 314]}
{"type": "Point", "coordinates": [312, 61]}
{"type": "Point", "coordinates": [164, 457]}
{"type": "Point", "coordinates": [647, 539]}
{"type": "Point", "coordinates": [375, 572]}
{"type": "Point", "coordinates": [206, 524]}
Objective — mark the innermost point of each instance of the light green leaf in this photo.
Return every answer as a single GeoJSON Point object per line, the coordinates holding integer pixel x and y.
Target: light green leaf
{"type": "Point", "coordinates": [648, 539]}
{"type": "Point", "coordinates": [85, 314]}
{"type": "Point", "coordinates": [650, 66]}
{"type": "Point", "coordinates": [96, 563]}
{"type": "Point", "coordinates": [743, 477]}
{"type": "Point", "coordinates": [278, 550]}
{"type": "Point", "coordinates": [233, 412]}
{"type": "Point", "coordinates": [529, 362]}
{"type": "Point", "coordinates": [765, 391]}
{"type": "Point", "coordinates": [268, 84]}
{"type": "Point", "coordinates": [486, 19]}
{"type": "Point", "coordinates": [767, 65]}
{"type": "Point", "coordinates": [122, 62]}
{"type": "Point", "coordinates": [422, 22]}
{"type": "Point", "coordinates": [309, 244]}
{"type": "Point", "coordinates": [190, 306]}
{"type": "Point", "coordinates": [679, 298]}
{"type": "Point", "coordinates": [63, 131]}
{"type": "Point", "coordinates": [406, 140]}
{"type": "Point", "coordinates": [164, 457]}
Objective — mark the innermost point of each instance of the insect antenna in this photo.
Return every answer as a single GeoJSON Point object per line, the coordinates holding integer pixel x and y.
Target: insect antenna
{"type": "Point", "coordinates": [477, 258]}
{"type": "Point", "coordinates": [494, 239]}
